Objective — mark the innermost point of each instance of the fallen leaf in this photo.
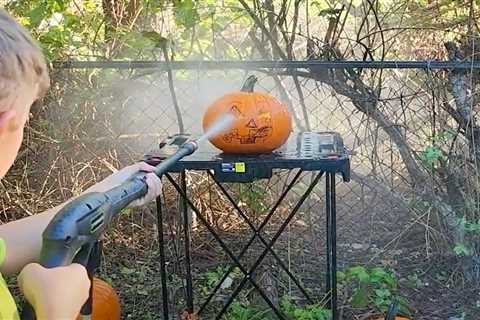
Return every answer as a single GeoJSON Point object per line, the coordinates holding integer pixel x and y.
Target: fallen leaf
{"type": "Point", "coordinates": [189, 316]}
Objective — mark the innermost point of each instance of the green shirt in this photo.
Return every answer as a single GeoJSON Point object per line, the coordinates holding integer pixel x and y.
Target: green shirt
{"type": "Point", "coordinates": [8, 309]}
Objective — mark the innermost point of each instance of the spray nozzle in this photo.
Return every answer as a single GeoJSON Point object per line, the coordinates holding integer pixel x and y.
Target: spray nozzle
{"type": "Point", "coordinates": [177, 140]}
{"type": "Point", "coordinates": [191, 146]}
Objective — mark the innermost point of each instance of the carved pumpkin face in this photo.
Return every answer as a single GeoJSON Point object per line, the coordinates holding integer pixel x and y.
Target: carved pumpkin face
{"type": "Point", "coordinates": [262, 123]}
{"type": "Point", "coordinates": [106, 304]}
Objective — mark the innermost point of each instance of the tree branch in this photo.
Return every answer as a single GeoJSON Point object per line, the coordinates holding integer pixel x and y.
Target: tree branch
{"type": "Point", "coordinates": [181, 127]}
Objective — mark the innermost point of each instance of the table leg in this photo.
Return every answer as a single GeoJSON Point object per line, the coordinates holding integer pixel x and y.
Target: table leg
{"type": "Point", "coordinates": [328, 280]}
{"type": "Point", "coordinates": [333, 242]}
{"type": "Point", "coordinates": [161, 248]}
{"type": "Point", "coordinates": [331, 213]}
{"type": "Point", "coordinates": [186, 233]}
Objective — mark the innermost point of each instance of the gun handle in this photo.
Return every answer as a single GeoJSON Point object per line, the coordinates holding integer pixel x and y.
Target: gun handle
{"type": "Point", "coordinates": [90, 258]}
{"type": "Point", "coordinates": [49, 261]}
{"type": "Point", "coordinates": [27, 312]}
{"type": "Point", "coordinates": [93, 264]}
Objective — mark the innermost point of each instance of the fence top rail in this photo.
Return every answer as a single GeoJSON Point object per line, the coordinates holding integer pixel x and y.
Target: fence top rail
{"type": "Point", "coordinates": [266, 64]}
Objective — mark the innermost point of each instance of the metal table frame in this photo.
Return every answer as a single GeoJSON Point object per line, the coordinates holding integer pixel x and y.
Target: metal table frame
{"type": "Point", "coordinates": [326, 168]}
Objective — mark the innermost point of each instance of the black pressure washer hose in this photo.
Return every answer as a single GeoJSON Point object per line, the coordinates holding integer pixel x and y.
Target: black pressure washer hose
{"type": "Point", "coordinates": [75, 230]}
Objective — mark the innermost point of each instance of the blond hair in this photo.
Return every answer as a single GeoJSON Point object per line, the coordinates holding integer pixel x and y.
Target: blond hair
{"type": "Point", "coordinates": [21, 59]}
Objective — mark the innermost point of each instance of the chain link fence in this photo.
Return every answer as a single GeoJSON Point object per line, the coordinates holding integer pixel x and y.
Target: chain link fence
{"type": "Point", "coordinates": [98, 120]}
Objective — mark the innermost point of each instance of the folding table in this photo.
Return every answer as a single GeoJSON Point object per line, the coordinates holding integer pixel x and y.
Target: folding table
{"type": "Point", "coordinates": [321, 153]}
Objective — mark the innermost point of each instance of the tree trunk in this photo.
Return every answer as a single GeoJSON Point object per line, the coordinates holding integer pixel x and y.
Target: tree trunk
{"type": "Point", "coordinates": [461, 85]}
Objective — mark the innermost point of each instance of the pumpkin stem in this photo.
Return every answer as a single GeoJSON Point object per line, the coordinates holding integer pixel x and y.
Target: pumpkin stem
{"type": "Point", "coordinates": [249, 84]}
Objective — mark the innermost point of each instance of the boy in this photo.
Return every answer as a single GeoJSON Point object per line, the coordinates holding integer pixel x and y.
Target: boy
{"type": "Point", "coordinates": [23, 79]}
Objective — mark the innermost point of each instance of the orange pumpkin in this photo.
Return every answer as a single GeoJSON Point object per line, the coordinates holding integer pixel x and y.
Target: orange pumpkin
{"type": "Point", "coordinates": [262, 123]}
{"type": "Point", "coordinates": [106, 304]}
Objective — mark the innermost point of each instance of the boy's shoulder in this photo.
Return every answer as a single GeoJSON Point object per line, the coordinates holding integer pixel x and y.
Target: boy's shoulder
{"type": "Point", "coordinates": [8, 309]}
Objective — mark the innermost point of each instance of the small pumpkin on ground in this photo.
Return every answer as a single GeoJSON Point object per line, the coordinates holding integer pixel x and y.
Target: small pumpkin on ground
{"type": "Point", "coordinates": [262, 123]}
{"type": "Point", "coordinates": [106, 304]}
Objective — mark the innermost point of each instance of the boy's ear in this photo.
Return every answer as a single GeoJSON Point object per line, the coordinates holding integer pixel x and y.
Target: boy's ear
{"type": "Point", "coordinates": [5, 116]}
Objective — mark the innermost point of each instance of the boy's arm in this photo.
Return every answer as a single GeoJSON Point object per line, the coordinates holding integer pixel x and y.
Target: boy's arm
{"type": "Point", "coordinates": [23, 238]}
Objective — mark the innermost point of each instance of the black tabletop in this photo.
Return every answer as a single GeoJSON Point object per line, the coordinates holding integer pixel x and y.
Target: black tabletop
{"type": "Point", "coordinates": [310, 151]}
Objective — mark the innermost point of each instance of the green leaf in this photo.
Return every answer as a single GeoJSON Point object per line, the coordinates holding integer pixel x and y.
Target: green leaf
{"type": "Point", "coordinates": [126, 271]}
{"type": "Point", "coordinates": [360, 273]}
{"type": "Point", "coordinates": [382, 293]}
{"type": "Point", "coordinates": [390, 280]}
{"type": "Point", "coordinates": [71, 20]}
{"type": "Point", "coordinates": [431, 155]}
{"type": "Point", "coordinates": [377, 274]}
{"type": "Point", "coordinates": [382, 304]}
{"type": "Point", "coordinates": [403, 303]}
{"type": "Point", "coordinates": [38, 14]}
{"type": "Point", "coordinates": [462, 221]}
{"type": "Point", "coordinates": [309, 312]}
{"type": "Point", "coordinates": [287, 305]}
{"type": "Point", "coordinates": [355, 270]}
{"type": "Point", "coordinates": [461, 250]}
{"type": "Point", "coordinates": [360, 297]}
{"type": "Point", "coordinates": [185, 13]}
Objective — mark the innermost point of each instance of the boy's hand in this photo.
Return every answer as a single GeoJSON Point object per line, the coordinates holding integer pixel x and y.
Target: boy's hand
{"type": "Point", "coordinates": [154, 183]}
{"type": "Point", "coordinates": [56, 293]}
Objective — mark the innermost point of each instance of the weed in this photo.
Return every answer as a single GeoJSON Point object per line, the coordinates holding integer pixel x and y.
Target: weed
{"type": "Point", "coordinates": [254, 196]}
{"type": "Point", "coordinates": [372, 287]}
{"type": "Point", "coordinates": [240, 311]}
{"type": "Point", "coordinates": [310, 312]}
{"type": "Point", "coordinates": [211, 278]}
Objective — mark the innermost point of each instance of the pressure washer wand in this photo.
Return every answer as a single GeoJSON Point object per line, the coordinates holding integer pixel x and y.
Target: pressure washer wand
{"type": "Point", "coordinates": [185, 150]}
{"type": "Point", "coordinates": [77, 227]}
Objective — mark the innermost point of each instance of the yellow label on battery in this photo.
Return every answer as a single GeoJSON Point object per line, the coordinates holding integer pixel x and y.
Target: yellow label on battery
{"type": "Point", "coordinates": [239, 167]}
